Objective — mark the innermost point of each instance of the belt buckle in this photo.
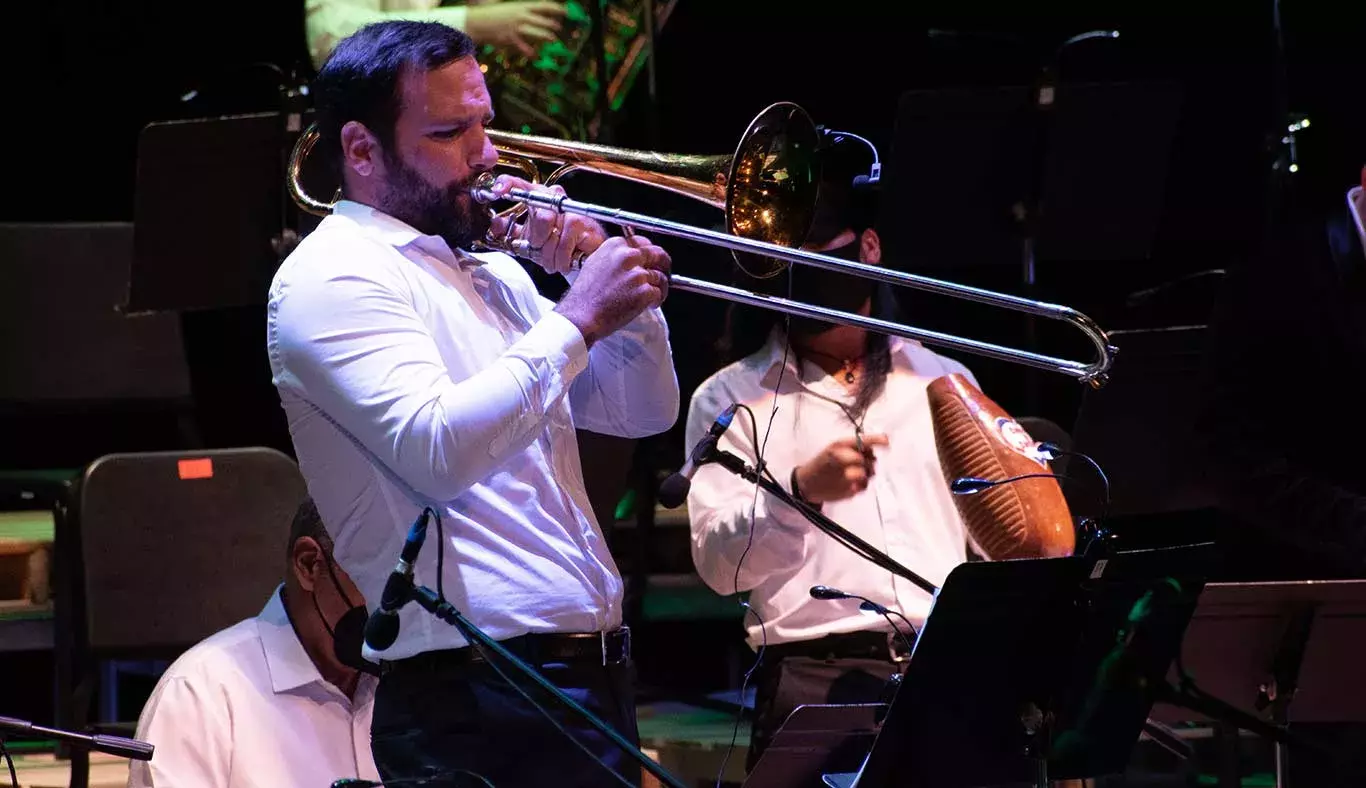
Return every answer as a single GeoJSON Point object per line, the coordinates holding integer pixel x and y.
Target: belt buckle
{"type": "Point", "coordinates": [625, 646]}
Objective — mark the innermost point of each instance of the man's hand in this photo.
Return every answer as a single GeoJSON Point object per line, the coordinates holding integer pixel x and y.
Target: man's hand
{"type": "Point", "coordinates": [552, 239]}
{"type": "Point", "coordinates": [840, 471]}
{"type": "Point", "coordinates": [623, 278]}
{"type": "Point", "coordinates": [521, 24]}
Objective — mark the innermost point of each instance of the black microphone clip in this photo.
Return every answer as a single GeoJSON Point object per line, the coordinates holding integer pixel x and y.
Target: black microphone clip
{"type": "Point", "coordinates": [673, 491]}
{"type": "Point", "coordinates": [861, 183]}
{"type": "Point", "coordinates": [381, 630]}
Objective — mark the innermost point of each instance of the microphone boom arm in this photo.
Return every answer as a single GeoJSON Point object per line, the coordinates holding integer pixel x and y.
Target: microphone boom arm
{"type": "Point", "coordinates": [123, 747]}
{"type": "Point", "coordinates": [836, 531]}
{"type": "Point", "coordinates": [476, 637]}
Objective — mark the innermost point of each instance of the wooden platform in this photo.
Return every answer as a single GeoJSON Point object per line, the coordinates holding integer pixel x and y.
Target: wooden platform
{"type": "Point", "coordinates": [43, 770]}
{"type": "Point", "coordinates": [692, 743]}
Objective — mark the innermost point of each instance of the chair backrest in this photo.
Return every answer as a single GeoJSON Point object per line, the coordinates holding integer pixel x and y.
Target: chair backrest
{"type": "Point", "coordinates": [176, 545]}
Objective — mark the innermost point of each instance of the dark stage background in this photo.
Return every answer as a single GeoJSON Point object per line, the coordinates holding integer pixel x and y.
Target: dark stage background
{"type": "Point", "coordinates": [83, 78]}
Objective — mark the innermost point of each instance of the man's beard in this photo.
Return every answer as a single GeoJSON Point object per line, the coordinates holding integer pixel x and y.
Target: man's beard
{"type": "Point", "coordinates": [450, 212]}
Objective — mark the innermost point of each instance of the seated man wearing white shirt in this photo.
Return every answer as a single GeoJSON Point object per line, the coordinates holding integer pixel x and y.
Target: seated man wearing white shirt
{"type": "Point", "coordinates": [851, 434]}
{"type": "Point", "coordinates": [282, 699]}
{"type": "Point", "coordinates": [514, 24]}
{"type": "Point", "coordinates": [417, 374]}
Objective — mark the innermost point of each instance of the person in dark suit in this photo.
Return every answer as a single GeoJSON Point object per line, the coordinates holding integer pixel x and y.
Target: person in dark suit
{"type": "Point", "coordinates": [1281, 423]}
{"type": "Point", "coordinates": [1282, 431]}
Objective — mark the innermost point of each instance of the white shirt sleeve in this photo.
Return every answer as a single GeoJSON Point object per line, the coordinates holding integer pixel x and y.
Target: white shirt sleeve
{"type": "Point", "coordinates": [327, 22]}
{"type": "Point", "coordinates": [348, 339]}
{"type": "Point", "coordinates": [630, 388]}
{"type": "Point", "coordinates": [192, 735]}
{"type": "Point", "coordinates": [724, 510]}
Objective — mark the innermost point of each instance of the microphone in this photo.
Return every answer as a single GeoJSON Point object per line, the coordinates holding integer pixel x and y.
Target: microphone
{"type": "Point", "coordinates": [381, 630]}
{"type": "Point", "coordinates": [871, 181]}
{"type": "Point", "coordinates": [828, 593]}
{"type": "Point", "coordinates": [971, 485]}
{"type": "Point", "coordinates": [674, 490]}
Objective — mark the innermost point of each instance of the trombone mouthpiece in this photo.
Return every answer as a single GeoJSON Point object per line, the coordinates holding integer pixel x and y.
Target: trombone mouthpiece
{"type": "Point", "coordinates": [482, 190]}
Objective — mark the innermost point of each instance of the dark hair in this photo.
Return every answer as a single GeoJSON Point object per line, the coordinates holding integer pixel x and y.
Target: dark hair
{"type": "Point", "coordinates": [307, 522]}
{"type": "Point", "coordinates": [839, 206]}
{"type": "Point", "coordinates": [360, 79]}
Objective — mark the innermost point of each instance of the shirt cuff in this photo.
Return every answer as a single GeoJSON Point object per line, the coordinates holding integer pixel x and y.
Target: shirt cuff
{"type": "Point", "coordinates": [561, 342]}
{"type": "Point", "coordinates": [789, 517]}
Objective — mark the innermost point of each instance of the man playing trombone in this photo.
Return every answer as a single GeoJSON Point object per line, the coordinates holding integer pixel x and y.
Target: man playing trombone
{"type": "Point", "coordinates": [851, 433]}
{"type": "Point", "coordinates": [415, 373]}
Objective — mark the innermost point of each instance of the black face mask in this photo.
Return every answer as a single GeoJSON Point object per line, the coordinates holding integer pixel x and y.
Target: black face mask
{"type": "Point", "coordinates": [349, 635]}
{"type": "Point", "coordinates": [831, 289]}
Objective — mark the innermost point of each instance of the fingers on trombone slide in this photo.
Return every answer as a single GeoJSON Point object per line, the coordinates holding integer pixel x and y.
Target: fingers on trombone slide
{"type": "Point", "coordinates": [656, 263]}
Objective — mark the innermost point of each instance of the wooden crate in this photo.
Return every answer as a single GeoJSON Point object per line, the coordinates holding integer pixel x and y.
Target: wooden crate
{"type": "Point", "coordinates": [24, 574]}
{"type": "Point", "coordinates": [25, 560]}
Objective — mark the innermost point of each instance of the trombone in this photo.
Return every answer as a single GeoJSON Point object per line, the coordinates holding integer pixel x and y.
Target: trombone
{"type": "Point", "coordinates": [767, 190]}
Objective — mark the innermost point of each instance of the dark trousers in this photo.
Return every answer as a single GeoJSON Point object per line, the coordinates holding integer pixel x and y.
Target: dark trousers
{"type": "Point", "coordinates": [440, 715]}
{"type": "Point", "coordinates": [785, 682]}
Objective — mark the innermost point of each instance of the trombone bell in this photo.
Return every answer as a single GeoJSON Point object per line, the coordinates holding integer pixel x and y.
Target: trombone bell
{"type": "Point", "coordinates": [767, 188]}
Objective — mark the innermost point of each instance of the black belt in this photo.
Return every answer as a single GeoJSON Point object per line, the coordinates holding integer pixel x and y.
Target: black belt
{"type": "Point", "coordinates": [867, 644]}
{"type": "Point", "coordinates": [537, 649]}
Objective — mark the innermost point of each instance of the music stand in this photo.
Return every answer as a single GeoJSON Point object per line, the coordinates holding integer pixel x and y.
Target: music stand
{"type": "Point", "coordinates": [1033, 670]}
{"type": "Point", "coordinates": [210, 203]}
{"type": "Point", "coordinates": [1139, 426]}
{"type": "Point", "coordinates": [1282, 652]}
{"type": "Point", "coordinates": [965, 165]}
{"type": "Point", "coordinates": [815, 740]}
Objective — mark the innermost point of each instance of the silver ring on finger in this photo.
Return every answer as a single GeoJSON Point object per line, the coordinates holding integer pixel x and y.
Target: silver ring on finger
{"type": "Point", "coordinates": [550, 236]}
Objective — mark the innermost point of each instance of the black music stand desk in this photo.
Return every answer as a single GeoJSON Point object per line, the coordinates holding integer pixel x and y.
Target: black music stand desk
{"type": "Point", "coordinates": [1282, 652]}
{"type": "Point", "coordinates": [1034, 670]}
{"type": "Point", "coordinates": [210, 205]}
{"type": "Point", "coordinates": [816, 740]}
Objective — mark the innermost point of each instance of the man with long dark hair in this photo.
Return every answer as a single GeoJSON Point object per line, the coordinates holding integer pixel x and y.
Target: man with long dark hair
{"type": "Point", "coordinates": [416, 373]}
{"type": "Point", "coordinates": [843, 423]}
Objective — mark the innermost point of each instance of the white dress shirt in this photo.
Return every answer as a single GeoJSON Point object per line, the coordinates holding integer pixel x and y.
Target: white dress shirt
{"type": "Point", "coordinates": [906, 512]}
{"type": "Point", "coordinates": [412, 376]}
{"type": "Point", "coordinates": [247, 708]}
{"type": "Point", "coordinates": [327, 22]}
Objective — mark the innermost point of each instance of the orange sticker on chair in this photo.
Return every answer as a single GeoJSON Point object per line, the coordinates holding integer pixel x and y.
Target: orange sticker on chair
{"type": "Point", "coordinates": [196, 469]}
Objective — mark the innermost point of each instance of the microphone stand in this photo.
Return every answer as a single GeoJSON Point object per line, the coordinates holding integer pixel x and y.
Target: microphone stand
{"type": "Point", "coordinates": [738, 467]}
{"type": "Point", "coordinates": [113, 745]}
{"type": "Point", "coordinates": [447, 612]}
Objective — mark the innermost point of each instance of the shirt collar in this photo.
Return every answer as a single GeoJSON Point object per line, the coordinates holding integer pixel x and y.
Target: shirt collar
{"type": "Point", "coordinates": [399, 234]}
{"type": "Point", "coordinates": [1356, 208]}
{"type": "Point", "coordinates": [905, 353]}
{"type": "Point", "coordinates": [289, 665]}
